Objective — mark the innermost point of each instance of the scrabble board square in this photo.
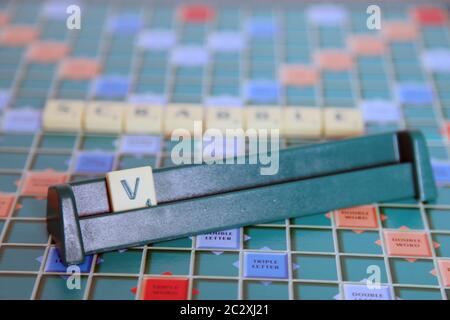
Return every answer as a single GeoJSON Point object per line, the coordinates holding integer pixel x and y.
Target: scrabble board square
{"type": "Point", "coordinates": [6, 202]}
{"type": "Point", "coordinates": [143, 119]}
{"type": "Point", "coordinates": [37, 183]}
{"type": "Point", "coordinates": [131, 188]}
{"type": "Point", "coordinates": [302, 122]}
{"type": "Point", "coordinates": [226, 239]}
{"type": "Point", "coordinates": [47, 52]}
{"type": "Point", "coordinates": [364, 292]}
{"type": "Point", "coordinates": [265, 265]}
{"type": "Point", "coordinates": [444, 267]}
{"type": "Point", "coordinates": [357, 217]}
{"type": "Point", "coordinates": [63, 115]}
{"type": "Point", "coordinates": [317, 267]}
{"type": "Point", "coordinates": [161, 288]}
{"type": "Point", "coordinates": [413, 271]}
{"type": "Point", "coordinates": [54, 287]}
{"type": "Point", "coordinates": [208, 289]}
{"type": "Point", "coordinates": [315, 291]}
{"type": "Point", "coordinates": [343, 122]}
{"type": "Point", "coordinates": [79, 69]}
{"type": "Point", "coordinates": [410, 243]}
{"type": "Point", "coordinates": [216, 263]}
{"type": "Point", "coordinates": [359, 241]}
{"type": "Point", "coordinates": [399, 31]}
{"type": "Point", "coordinates": [20, 258]}
{"type": "Point", "coordinates": [103, 117]}
{"type": "Point", "coordinates": [177, 262]}
{"type": "Point", "coordinates": [140, 144]}
{"type": "Point", "coordinates": [54, 262]}
{"type": "Point", "coordinates": [94, 162]}
{"type": "Point", "coordinates": [259, 290]}
{"type": "Point", "coordinates": [18, 35]}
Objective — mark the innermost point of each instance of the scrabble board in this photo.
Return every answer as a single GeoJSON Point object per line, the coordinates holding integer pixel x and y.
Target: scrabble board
{"type": "Point", "coordinates": [293, 54]}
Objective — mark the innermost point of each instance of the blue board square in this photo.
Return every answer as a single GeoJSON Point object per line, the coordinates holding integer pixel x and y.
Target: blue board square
{"type": "Point", "coordinates": [156, 39]}
{"type": "Point", "coordinates": [261, 27]}
{"type": "Point", "coordinates": [262, 91]}
{"type": "Point", "coordinates": [23, 120]}
{"type": "Point", "coordinates": [54, 262]}
{"type": "Point", "coordinates": [415, 94]}
{"type": "Point", "coordinates": [4, 98]}
{"type": "Point", "coordinates": [111, 87]}
{"type": "Point", "coordinates": [226, 239]}
{"type": "Point", "coordinates": [94, 162]}
{"type": "Point", "coordinates": [125, 24]}
{"type": "Point", "coordinates": [140, 144]}
{"type": "Point", "coordinates": [441, 172]}
{"type": "Point", "coordinates": [363, 292]}
{"type": "Point", "coordinates": [265, 265]}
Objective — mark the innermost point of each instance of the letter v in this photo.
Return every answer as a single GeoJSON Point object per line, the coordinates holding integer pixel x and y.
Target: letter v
{"type": "Point", "coordinates": [131, 195]}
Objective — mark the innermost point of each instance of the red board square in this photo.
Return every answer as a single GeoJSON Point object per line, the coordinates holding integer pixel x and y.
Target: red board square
{"type": "Point", "coordinates": [165, 289]}
{"type": "Point", "coordinates": [334, 60]}
{"type": "Point", "coordinates": [357, 217]}
{"type": "Point", "coordinates": [429, 16]}
{"type": "Point", "coordinates": [366, 45]}
{"type": "Point", "coordinates": [401, 243]}
{"type": "Point", "coordinates": [37, 183]}
{"type": "Point", "coordinates": [4, 19]}
{"type": "Point", "coordinates": [46, 52]}
{"type": "Point", "coordinates": [196, 13]}
{"type": "Point", "coordinates": [16, 36]}
{"type": "Point", "coordinates": [444, 267]}
{"type": "Point", "coordinates": [6, 201]}
{"type": "Point", "coordinates": [79, 69]}
{"type": "Point", "coordinates": [299, 75]}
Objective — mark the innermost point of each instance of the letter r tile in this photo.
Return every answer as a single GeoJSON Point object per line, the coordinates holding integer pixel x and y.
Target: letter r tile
{"type": "Point", "coordinates": [131, 188]}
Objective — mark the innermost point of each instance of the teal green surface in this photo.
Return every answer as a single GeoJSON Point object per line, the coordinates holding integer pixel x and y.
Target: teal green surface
{"type": "Point", "coordinates": [57, 141]}
{"type": "Point", "coordinates": [216, 289]}
{"type": "Point", "coordinates": [113, 288]}
{"type": "Point", "coordinates": [439, 219]}
{"type": "Point", "coordinates": [266, 291]}
{"type": "Point", "coordinates": [55, 288]}
{"type": "Point", "coordinates": [99, 143]}
{"type": "Point", "coordinates": [315, 267]}
{"type": "Point", "coordinates": [355, 268]}
{"type": "Point", "coordinates": [215, 264]}
{"type": "Point", "coordinates": [58, 162]}
{"type": "Point", "coordinates": [128, 261]}
{"type": "Point", "coordinates": [399, 217]}
{"type": "Point", "coordinates": [177, 243]}
{"type": "Point", "coordinates": [27, 232]}
{"type": "Point", "coordinates": [418, 294]}
{"type": "Point", "coordinates": [316, 291]}
{"type": "Point", "coordinates": [31, 207]}
{"type": "Point", "coordinates": [273, 238]}
{"type": "Point", "coordinates": [352, 242]}
{"type": "Point", "coordinates": [417, 272]}
{"type": "Point", "coordinates": [133, 161]}
{"type": "Point", "coordinates": [312, 240]}
{"type": "Point", "coordinates": [20, 258]}
{"type": "Point", "coordinates": [174, 261]}
{"type": "Point", "coordinates": [14, 287]}
{"type": "Point", "coordinates": [313, 220]}
{"type": "Point", "coordinates": [8, 182]}
{"type": "Point", "coordinates": [444, 244]}
{"type": "Point", "coordinates": [13, 160]}
{"type": "Point", "coordinates": [16, 140]}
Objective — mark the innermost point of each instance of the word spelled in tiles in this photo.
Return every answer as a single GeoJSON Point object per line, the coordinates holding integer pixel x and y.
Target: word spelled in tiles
{"type": "Point", "coordinates": [130, 118]}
